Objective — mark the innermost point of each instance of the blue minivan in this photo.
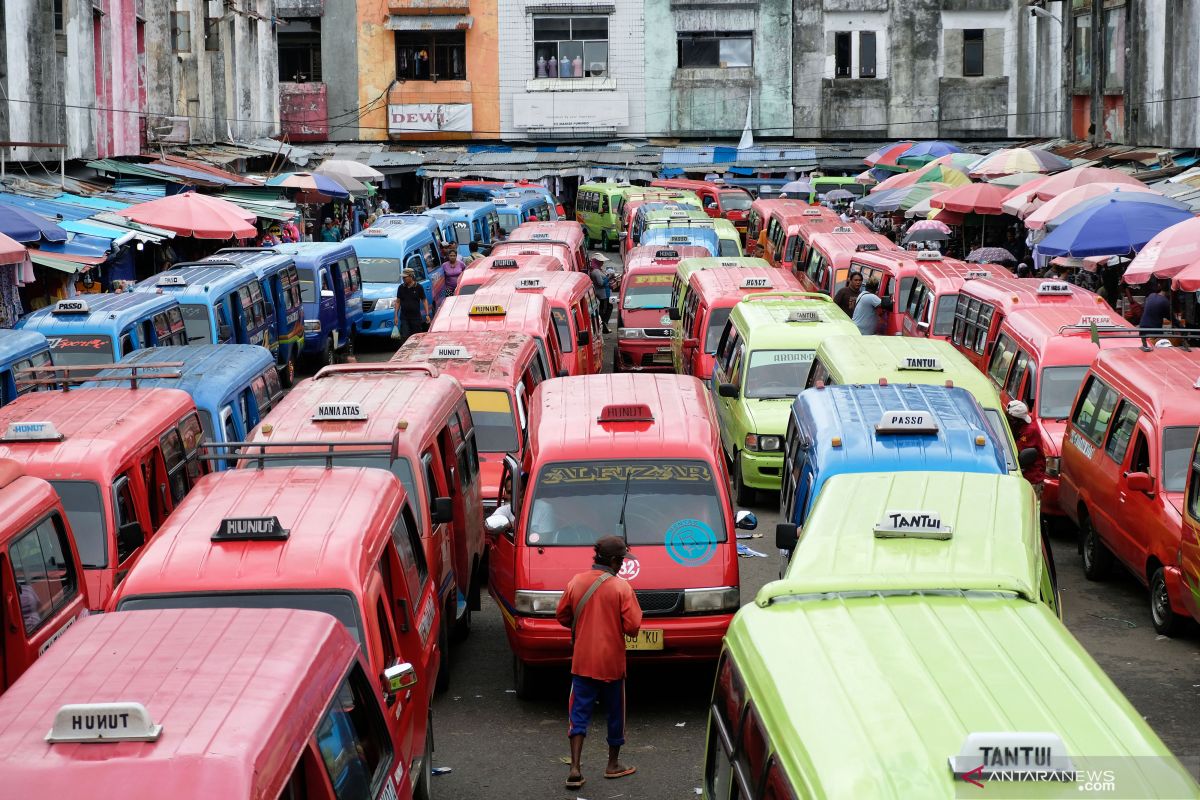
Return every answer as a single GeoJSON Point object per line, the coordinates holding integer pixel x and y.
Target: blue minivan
{"type": "Point", "coordinates": [20, 350]}
{"type": "Point", "coordinates": [514, 208]}
{"type": "Point", "coordinates": [465, 222]}
{"type": "Point", "coordinates": [383, 252]}
{"type": "Point", "coordinates": [331, 293]}
{"type": "Point", "coordinates": [233, 385]}
{"type": "Point", "coordinates": [104, 328]}
{"type": "Point", "coordinates": [219, 305]}
{"type": "Point", "coordinates": [281, 287]}
{"type": "Point", "coordinates": [679, 237]}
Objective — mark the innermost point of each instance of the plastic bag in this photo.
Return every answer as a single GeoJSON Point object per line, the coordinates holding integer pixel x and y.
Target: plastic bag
{"type": "Point", "coordinates": [395, 332]}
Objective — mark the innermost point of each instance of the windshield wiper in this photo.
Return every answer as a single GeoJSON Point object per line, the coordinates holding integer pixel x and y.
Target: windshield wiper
{"type": "Point", "coordinates": [624, 501]}
{"type": "Point", "coordinates": [774, 397]}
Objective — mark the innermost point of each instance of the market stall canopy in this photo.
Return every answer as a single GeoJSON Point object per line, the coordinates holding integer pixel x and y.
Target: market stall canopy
{"type": "Point", "coordinates": [1082, 176]}
{"type": "Point", "coordinates": [11, 251]}
{"type": "Point", "coordinates": [349, 169]}
{"type": "Point", "coordinates": [922, 153]}
{"type": "Point", "coordinates": [25, 226]}
{"type": "Point", "coordinates": [906, 198]}
{"type": "Point", "coordinates": [196, 215]}
{"type": "Point", "coordinates": [1017, 179]}
{"type": "Point", "coordinates": [1009, 161]}
{"type": "Point", "coordinates": [885, 157]}
{"type": "Point", "coordinates": [1110, 227]}
{"type": "Point", "coordinates": [310, 183]}
{"type": "Point", "coordinates": [1036, 218]}
{"type": "Point", "coordinates": [1166, 255]}
{"type": "Point", "coordinates": [959, 161]}
{"type": "Point", "coordinates": [1016, 200]}
{"type": "Point", "coordinates": [974, 198]}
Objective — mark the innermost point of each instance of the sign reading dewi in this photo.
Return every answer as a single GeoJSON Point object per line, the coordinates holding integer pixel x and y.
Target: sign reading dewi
{"type": "Point", "coordinates": [429, 118]}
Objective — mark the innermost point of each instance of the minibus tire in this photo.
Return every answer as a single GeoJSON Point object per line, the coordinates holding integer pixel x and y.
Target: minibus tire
{"type": "Point", "coordinates": [616, 361]}
{"type": "Point", "coordinates": [424, 788]}
{"type": "Point", "coordinates": [604, 245]}
{"type": "Point", "coordinates": [1097, 559]}
{"type": "Point", "coordinates": [442, 682]}
{"type": "Point", "coordinates": [1166, 622]}
{"type": "Point", "coordinates": [587, 240]}
{"type": "Point", "coordinates": [462, 626]}
{"type": "Point", "coordinates": [328, 355]}
{"type": "Point", "coordinates": [525, 677]}
{"type": "Point", "coordinates": [745, 495]}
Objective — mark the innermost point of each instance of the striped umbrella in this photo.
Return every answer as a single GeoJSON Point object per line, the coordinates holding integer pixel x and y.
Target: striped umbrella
{"type": "Point", "coordinates": [898, 181]}
{"type": "Point", "coordinates": [885, 157]}
{"type": "Point", "coordinates": [1017, 179]}
{"type": "Point", "coordinates": [922, 153]}
{"type": "Point", "coordinates": [1167, 254]}
{"type": "Point", "coordinates": [1082, 176]}
{"type": "Point", "coordinates": [961, 161]}
{"type": "Point", "coordinates": [1039, 217]}
{"type": "Point", "coordinates": [974, 198]}
{"type": "Point", "coordinates": [1009, 161]}
{"type": "Point", "coordinates": [940, 173]}
{"type": "Point", "coordinates": [1021, 197]}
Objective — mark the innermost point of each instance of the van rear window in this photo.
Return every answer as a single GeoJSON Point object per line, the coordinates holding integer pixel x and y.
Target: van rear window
{"type": "Point", "coordinates": [85, 512]}
{"type": "Point", "coordinates": [70, 350]}
{"type": "Point", "coordinates": [649, 503]}
{"type": "Point", "coordinates": [339, 605]}
{"type": "Point", "coordinates": [495, 430]}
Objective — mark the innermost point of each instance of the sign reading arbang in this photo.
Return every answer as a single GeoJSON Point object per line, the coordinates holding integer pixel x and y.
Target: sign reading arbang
{"type": "Point", "coordinates": [429, 118]}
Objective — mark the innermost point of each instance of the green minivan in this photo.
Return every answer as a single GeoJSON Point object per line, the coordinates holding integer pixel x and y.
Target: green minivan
{"type": "Point", "coordinates": [762, 362]}
{"type": "Point", "coordinates": [909, 653]}
{"type": "Point", "coordinates": [597, 209]}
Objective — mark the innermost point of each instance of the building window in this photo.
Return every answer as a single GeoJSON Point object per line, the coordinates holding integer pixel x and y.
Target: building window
{"type": "Point", "coordinates": [212, 35]}
{"type": "Point", "coordinates": [1114, 48]}
{"type": "Point", "coordinates": [570, 47]}
{"type": "Point", "coordinates": [841, 55]}
{"type": "Point", "coordinates": [59, 26]}
{"type": "Point", "coordinates": [866, 54]}
{"type": "Point", "coordinates": [181, 31]}
{"type": "Point", "coordinates": [1082, 44]}
{"type": "Point", "coordinates": [718, 49]}
{"type": "Point", "coordinates": [300, 50]}
{"type": "Point", "coordinates": [972, 49]}
{"type": "Point", "coordinates": [431, 55]}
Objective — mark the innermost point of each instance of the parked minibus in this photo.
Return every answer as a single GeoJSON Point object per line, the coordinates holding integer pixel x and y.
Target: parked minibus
{"type": "Point", "coordinates": [331, 293]}
{"type": "Point", "coordinates": [219, 305]}
{"type": "Point", "coordinates": [573, 308]}
{"type": "Point", "coordinates": [635, 196]}
{"type": "Point", "coordinates": [517, 250]}
{"type": "Point", "coordinates": [454, 191]}
{"type": "Point", "coordinates": [281, 287]}
{"type": "Point", "coordinates": [661, 254]}
{"type": "Point", "coordinates": [706, 302]}
{"type": "Point", "coordinates": [383, 255]}
{"type": "Point", "coordinates": [498, 371]}
{"type": "Point", "coordinates": [762, 360]}
{"type": "Point", "coordinates": [514, 209]}
{"type": "Point", "coordinates": [827, 264]}
{"type": "Point", "coordinates": [1125, 468]}
{"type": "Point", "coordinates": [525, 313]}
{"type": "Point", "coordinates": [466, 222]}
{"type": "Point", "coordinates": [103, 328]}
{"type": "Point", "coordinates": [232, 385]}
{"type": "Point", "coordinates": [778, 236]}
{"type": "Point", "coordinates": [665, 215]}
{"type": "Point", "coordinates": [934, 296]}
{"type": "Point", "coordinates": [20, 350]}
{"type": "Point", "coordinates": [443, 235]}
{"type": "Point", "coordinates": [718, 198]}
{"type": "Point", "coordinates": [1189, 548]}
{"type": "Point", "coordinates": [687, 266]}
{"type": "Point", "coordinates": [41, 577]}
{"type": "Point", "coordinates": [825, 184]}
{"type": "Point", "coordinates": [120, 459]}
{"type": "Point", "coordinates": [877, 581]}
{"type": "Point", "coordinates": [644, 327]}
{"type": "Point", "coordinates": [983, 305]}
{"type": "Point", "coordinates": [898, 359]}
{"type": "Point", "coordinates": [479, 273]}
{"type": "Point", "coordinates": [596, 211]}
{"type": "Point", "coordinates": [270, 538]}
{"type": "Point", "coordinates": [894, 272]}
{"type": "Point", "coordinates": [759, 218]}
{"type": "Point", "coordinates": [562, 232]}
{"type": "Point", "coordinates": [634, 454]}
{"type": "Point", "coordinates": [704, 237]}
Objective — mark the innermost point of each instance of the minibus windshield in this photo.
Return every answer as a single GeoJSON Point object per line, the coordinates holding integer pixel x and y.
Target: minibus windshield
{"type": "Point", "coordinates": [735, 201]}
{"type": "Point", "coordinates": [778, 374]}
{"type": "Point", "coordinates": [943, 321]}
{"type": "Point", "coordinates": [509, 220]}
{"type": "Point", "coordinates": [308, 288]}
{"type": "Point", "coordinates": [195, 322]}
{"type": "Point", "coordinates": [1058, 390]}
{"type": "Point", "coordinates": [495, 430]}
{"type": "Point", "coordinates": [338, 605]}
{"type": "Point", "coordinates": [577, 502]}
{"type": "Point", "coordinates": [85, 512]}
{"type": "Point", "coordinates": [716, 323]}
{"type": "Point", "coordinates": [728, 248]}
{"type": "Point", "coordinates": [648, 292]}
{"type": "Point", "coordinates": [379, 270]}
{"type": "Point", "coordinates": [80, 349]}
{"type": "Point", "coordinates": [1177, 450]}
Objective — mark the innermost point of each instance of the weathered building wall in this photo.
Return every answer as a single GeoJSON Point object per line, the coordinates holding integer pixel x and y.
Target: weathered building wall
{"type": "Point", "coordinates": [1040, 98]}
{"type": "Point", "coordinates": [1164, 51]}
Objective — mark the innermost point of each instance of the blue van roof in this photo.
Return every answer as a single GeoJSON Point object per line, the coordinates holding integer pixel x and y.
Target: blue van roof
{"type": "Point", "coordinates": [111, 310]}
{"type": "Point", "coordinates": [263, 260]}
{"type": "Point", "coordinates": [311, 254]}
{"type": "Point", "coordinates": [16, 345]}
{"type": "Point", "coordinates": [404, 218]}
{"type": "Point", "coordinates": [527, 200]}
{"type": "Point", "coordinates": [373, 240]}
{"type": "Point", "coordinates": [208, 374]}
{"type": "Point", "coordinates": [204, 281]}
{"type": "Point", "coordinates": [851, 413]}
{"type": "Point", "coordinates": [461, 209]}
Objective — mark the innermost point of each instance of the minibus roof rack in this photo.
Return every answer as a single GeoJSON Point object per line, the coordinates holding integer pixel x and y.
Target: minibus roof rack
{"type": "Point", "coordinates": [211, 451]}
{"type": "Point", "coordinates": [64, 379]}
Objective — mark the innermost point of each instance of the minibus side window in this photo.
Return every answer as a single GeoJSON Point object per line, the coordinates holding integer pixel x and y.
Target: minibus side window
{"type": "Point", "coordinates": [1193, 487]}
{"type": "Point", "coordinates": [192, 433]}
{"type": "Point", "coordinates": [1140, 460]}
{"type": "Point", "coordinates": [274, 387]}
{"type": "Point", "coordinates": [353, 740]}
{"type": "Point", "coordinates": [776, 786]}
{"type": "Point", "coordinates": [176, 464]}
{"type": "Point", "coordinates": [384, 620]}
{"type": "Point", "coordinates": [1002, 357]}
{"type": "Point", "coordinates": [433, 487]}
{"type": "Point", "coordinates": [154, 476]}
{"type": "Point", "coordinates": [1095, 407]}
{"type": "Point", "coordinates": [229, 425]}
{"type": "Point", "coordinates": [1016, 375]}
{"type": "Point", "coordinates": [751, 752]}
{"type": "Point", "coordinates": [223, 312]}
{"type": "Point", "coordinates": [245, 304]}
{"type": "Point", "coordinates": [43, 572]}
{"type": "Point", "coordinates": [412, 555]}
{"type": "Point", "coordinates": [262, 399]}
{"type": "Point", "coordinates": [126, 517]}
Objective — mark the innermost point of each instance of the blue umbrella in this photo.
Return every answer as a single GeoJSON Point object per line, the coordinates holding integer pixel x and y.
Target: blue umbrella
{"type": "Point", "coordinates": [922, 153]}
{"type": "Point", "coordinates": [1109, 228]}
{"type": "Point", "coordinates": [1117, 196]}
{"type": "Point", "coordinates": [887, 200]}
{"type": "Point", "coordinates": [26, 227]}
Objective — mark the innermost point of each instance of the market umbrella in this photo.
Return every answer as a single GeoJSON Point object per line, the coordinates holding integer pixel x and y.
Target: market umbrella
{"type": "Point", "coordinates": [1016, 200]}
{"type": "Point", "coordinates": [897, 181]}
{"type": "Point", "coordinates": [940, 173]}
{"type": "Point", "coordinates": [196, 215]}
{"type": "Point", "coordinates": [909, 196]}
{"type": "Point", "coordinates": [1121, 195]}
{"type": "Point", "coordinates": [885, 157]}
{"type": "Point", "coordinates": [1111, 227]}
{"type": "Point", "coordinates": [1009, 161]}
{"type": "Point", "coordinates": [961, 161]}
{"type": "Point", "coordinates": [1081, 176]}
{"type": "Point", "coordinates": [351, 185]}
{"type": "Point", "coordinates": [26, 226]}
{"type": "Point", "coordinates": [840, 194]}
{"type": "Point", "coordinates": [1167, 254]}
{"type": "Point", "coordinates": [310, 183]}
{"type": "Point", "coordinates": [929, 225]}
{"type": "Point", "coordinates": [1017, 179]}
{"type": "Point", "coordinates": [921, 209]}
{"type": "Point", "coordinates": [349, 169]}
{"type": "Point", "coordinates": [990, 255]}
{"type": "Point", "coordinates": [926, 235]}
{"type": "Point", "coordinates": [922, 153]}
{"type": "Point", "coordinates": [974, 198]}
{"type": "Point", "coordinates": [11, 251]}
{"type": "Point", "coordinates": [1188, 280]}
{"type": "Point", "coordinates": [1036, 218]}
{"type": "Point", "coordinates": [796, 187]}
{"type": "Point", "coordinates": [877, 201]}
{"type": "Point", "coordinates": [871, 176]}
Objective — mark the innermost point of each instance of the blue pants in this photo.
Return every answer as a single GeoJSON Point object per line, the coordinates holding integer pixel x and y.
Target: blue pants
{"type": "Point", "coordinates": [585, 692]}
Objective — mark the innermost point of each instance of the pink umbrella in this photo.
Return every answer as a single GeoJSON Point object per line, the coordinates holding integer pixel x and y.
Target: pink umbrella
{"type": "Point", "coordinates": [1017, 199]}
{"type": "Point", "coordinates": [973, 198]}
{"type": "Point", "coordinates": [929, 225]}
{"type": "Point", "coordinates": [196, 215]}
{"type": "Point", "coordinates": [1081, 176]}
{"type": "Point", "coordinates": [1188, 280]}
{"type": "Point", "coordinates": [1168, 254]}
{"type": "Point", "coordinates": [11, 251]}
{"type": "Point", "coordinates": [897, 181]}
{"type": "Point", "coordinates": [1037, 218]}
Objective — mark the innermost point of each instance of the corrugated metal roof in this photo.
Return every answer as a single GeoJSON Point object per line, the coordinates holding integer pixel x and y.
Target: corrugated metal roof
{"type": "Point", "coordinates": [46, 208]}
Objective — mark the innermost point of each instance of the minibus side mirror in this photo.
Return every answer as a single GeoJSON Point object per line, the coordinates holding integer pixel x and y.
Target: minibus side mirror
{"type": "Point", "coordinates": [443, 511]}
{"type": "Point", "coordinates": [130, 537]}
{"type": "Point", "coordinates": [399, 676]}
{"type": "Point", "coordinates": [924, 326]}
{"type": "Point", "coordinates": [1026, 457]}
{"type": "Point", "coordinates": [786, 536]}
{"type": "Point", "coordinates": [674, 314]}
{"type": "Point", "coordinates": [497, 523]}
{"type": "Point", "coordinates": [583, 338]}
{"type": "Point", "coordinates": [745, 520]}
{"type": "Point", "coordinates": [728, 390]}
{"type": "Point", "coordinates": [1140, 482]}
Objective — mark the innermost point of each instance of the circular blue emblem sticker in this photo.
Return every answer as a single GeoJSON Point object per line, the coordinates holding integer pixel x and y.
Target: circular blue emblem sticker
{"type": "Point", "coordinates": [691, 542]}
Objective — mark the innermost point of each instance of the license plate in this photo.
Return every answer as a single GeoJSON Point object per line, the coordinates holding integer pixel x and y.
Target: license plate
{"type": "Point", "coordinates": [662, 350]}
{"type": "Point", "coordinates": [662, 358]}
{"type": "Point", "coordinates": [645, 640]}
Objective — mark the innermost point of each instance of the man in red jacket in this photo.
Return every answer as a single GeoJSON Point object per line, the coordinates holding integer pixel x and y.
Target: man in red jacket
{"type": "Point", "coordinates": [601, 610]}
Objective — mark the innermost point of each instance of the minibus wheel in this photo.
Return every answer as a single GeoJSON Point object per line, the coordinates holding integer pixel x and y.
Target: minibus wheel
{"type": "Point", "coordinates": [524, 679]}
{"type": "Point", "coordinates": [462, 626]}
{"type": "Point", "coordinates": [328, 355]}
{"type": "Point", "coordinates": [1166, 621]}
{"type": "Point", "coordinates": [1097, 559]}
{"type": "Point", "coordinates": [424, 788]}
{"type": "Point", "coordinates": [745, 494]}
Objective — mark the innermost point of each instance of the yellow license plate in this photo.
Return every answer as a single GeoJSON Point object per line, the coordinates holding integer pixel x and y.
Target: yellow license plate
{"type": "Point", "coordinates": [645, 640]}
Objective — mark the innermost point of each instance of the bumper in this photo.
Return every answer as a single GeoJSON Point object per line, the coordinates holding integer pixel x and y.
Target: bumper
{"type": "Point", "coordinates": [313, 343]}
{"type": "Point", "coordinates": [1050, 507]}
{"type": "Point", "coordinates": [645, 355]}
{"type": "Point", "coordinates": [377, 323]}
{"type": "Point", "coordinates": [543, 641]}
{"type": "Point", "coordinates": [1176, 590]}
{"type": "Point", "coordinates": [762, 470]}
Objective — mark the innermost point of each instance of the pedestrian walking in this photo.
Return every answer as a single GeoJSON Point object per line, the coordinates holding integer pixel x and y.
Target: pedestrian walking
{"type": "Point", "coordinates": [329, 232]}
{"type": "Point", "coordinates": [473, 252]}
{"type": "Point", "coordinates": [1156, 310]}
{"type": "Point", "coordinates": [845, 296]}
{"type": "Point", "coordinates": [308, 232]}
{"type": "Point", "coordinates": [412, 308]}
{"type": "Point", "coordinates": [601, 610]}
{"type": "Point", "coordinates": [453, 270]}
{"type": "Point", "coordinates": [602, 283]}
{"type": "Point", "coordinates": [867, 309]}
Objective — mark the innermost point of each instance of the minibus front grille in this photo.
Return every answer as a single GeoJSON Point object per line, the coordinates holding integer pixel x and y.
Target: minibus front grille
{"type": "Point", "coordinates": [368, 306]}
{"type": "Point", "coordinates": [658, 603]}
{"type": "Point", "coordinates": [660, 333]}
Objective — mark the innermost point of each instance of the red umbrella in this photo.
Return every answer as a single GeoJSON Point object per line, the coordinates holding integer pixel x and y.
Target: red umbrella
{"type": "Point", "coordinates": [1188, 280]}
{"type": "Point", "coordinates": [973, 198]}
{"type": "Point", "coordinates": [885, 157]}
{"type": "Point", "coordinates": [196, 215]}
{"type": "Point", "coordinates": [1168, 254]}
{"type": "Point", "coordinates": [11, 251]}
{"type": "Point", "coordinates": [1081, 176]}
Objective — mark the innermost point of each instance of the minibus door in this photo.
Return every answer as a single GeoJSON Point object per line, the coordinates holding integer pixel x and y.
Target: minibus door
{"type": "Point", "coordinates": [333, 309]}
{"type": "Point", "coordinates": [382, 596]}
{"type": "Point", "coordinates": [502, 556]}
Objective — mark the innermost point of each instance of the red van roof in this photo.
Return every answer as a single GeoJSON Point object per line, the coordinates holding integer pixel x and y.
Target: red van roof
{"type": "Point", "coordinates": [717, 285]}
{"type": "Point", "coordinates": [329, 545]}
{"type": "Point", "coordinates": [949, 274]}
{"type": "Point", "coordinates": [565, 426]}
{"type": "Point", "coordinates": [831, 243]}
{"type": "Point", "coordinates": [560, 288]}
{"type": "Point", "coordinates": [1161, 382]}
{"type": "Point", "coordinates": [523, 261]}
{"type": "Point", "coordinates": [647, 254]}
{"type": "Point", "coordinates": [563, 230]}
{"type": "Point", "coordinates": [483, 358]}
{"type": "Point", "coordinates": [237, 693]}
{"type": "Point", "coordinates": [1009, 294]}
{"type": "Point", "coordinates": [1050, 328]}
{"type": "Point", "coordinates": [100, 428]}
{"type": "Point", "coordinates": [564, 253]}
{"type": "Point", "coordinates": [529, 313]}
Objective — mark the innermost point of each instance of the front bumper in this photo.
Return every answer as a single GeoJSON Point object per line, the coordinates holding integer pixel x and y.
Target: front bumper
{"type": "Point", "coordinates": [762, 470]}
{"type": "Point", "coordinates": [376, 323]}
{"type": "Point", "coordinates": [645, 355]}
{"type": "Point", "coordinates": [1050, 507]}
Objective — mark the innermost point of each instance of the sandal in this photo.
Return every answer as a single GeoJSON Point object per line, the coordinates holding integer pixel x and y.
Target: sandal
{"type": "Point", "coordinates": [576, 784]}
{"type": "Point", "coordinates": [624, 771]}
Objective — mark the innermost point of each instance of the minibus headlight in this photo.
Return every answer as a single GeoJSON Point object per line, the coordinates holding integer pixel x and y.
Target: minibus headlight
{"type": "Point", "coordinates": [630, 333]}
{"type": "Point", "coordinates": [537, 604]}
{"type": "Point", "coordinates": [1053, 464]}
{"type": "Point", "coordinates": [763, 444]}
{"type": "Point", "coordinates": [385, 304]}
{"type": "Point", "coordinates": [312, 326]}
{"type": "Point", "coordinates": [724, 598]}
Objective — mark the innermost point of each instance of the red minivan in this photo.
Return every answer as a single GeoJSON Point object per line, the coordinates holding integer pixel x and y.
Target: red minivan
{"type": "Point", "coordinates": [573, 307]}
{"type": "Point", "coordinates": [565, 231]}
{"type": "Point", "coordinates": [644, 327]}
{"type": "Point", "coordinates": [633, 455]}
{"type": "Point", "coordinates": [719, 199]}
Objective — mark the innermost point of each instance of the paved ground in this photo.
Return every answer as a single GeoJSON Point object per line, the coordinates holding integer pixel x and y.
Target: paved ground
{"type": "Point", "coordinates": [500, 747]}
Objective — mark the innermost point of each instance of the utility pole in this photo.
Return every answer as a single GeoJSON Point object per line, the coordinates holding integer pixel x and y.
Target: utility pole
{"type": "Point", "coordinates": [1099, 68]}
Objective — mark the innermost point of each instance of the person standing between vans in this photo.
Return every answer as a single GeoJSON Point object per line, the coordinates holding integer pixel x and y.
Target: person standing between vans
{"type": "Point", "coordinates": [1156, 311]}
{"type": "Point", "coordinates": [601, 610]}
{"type": "Point", "coordinates": [1026, 435]}
{"type": "Point", "coordinates": [412, 308]}
{"type": "Point", "coordinates": [453, 270]}
{"type": "Point", "coordinates": [603, 287]}
{"type": "Point", "coordinates": [866, 309]}
{"type": "Point", "coordinates": [845, 296]}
